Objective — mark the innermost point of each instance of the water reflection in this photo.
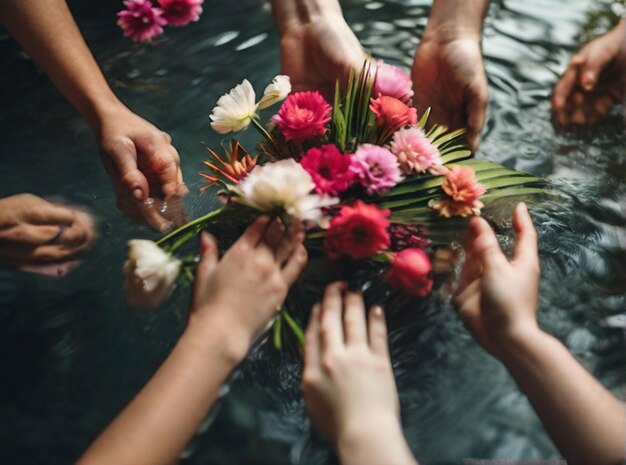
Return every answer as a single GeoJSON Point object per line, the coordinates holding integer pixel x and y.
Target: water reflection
{"type": "Point", "coordinates": [74, 353]}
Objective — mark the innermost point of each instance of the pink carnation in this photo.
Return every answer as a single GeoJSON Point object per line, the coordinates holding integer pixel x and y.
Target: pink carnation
{"type": "Point", "coordinates": [140, 20]}
{"type": "Point", "coordinates": [415, 152]}
{"type": "Point", "coordinates": [392, 82]}
{"type": "Point", "coordinates": [181, 12]}
{"type": "Point", "coordinates": [376, 168]}
{"type": "Point", "coordinates": [303, 115]}
{"type": "Point", "coordinates": [464, 192]}
{"type": "Point", "coordinates": [411, 272]}
{"type": "Point", "coordinates": [329, 168]}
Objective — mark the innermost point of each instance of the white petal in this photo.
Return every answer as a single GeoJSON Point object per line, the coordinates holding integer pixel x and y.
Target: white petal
{"type": "Point", "coordinates": [275, 92]}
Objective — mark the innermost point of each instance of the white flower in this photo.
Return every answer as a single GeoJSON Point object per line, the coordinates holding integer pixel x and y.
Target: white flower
{"type": "Point", "coordinates": [150, 274]}
{"type": "Point", "coordinates": [284, 185]}
{"type": "Point", "coordinates": [235, 109]}
{"type": "Point", "coordinates": [275, 92]}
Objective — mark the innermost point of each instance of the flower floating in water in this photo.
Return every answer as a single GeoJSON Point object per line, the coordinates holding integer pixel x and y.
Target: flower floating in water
{"type": "Point", "coordinates": [181, 12]}
{"type": "Point", "coordinates": [376, 168]}
{"type": "Point", "coordinates": [392, 82]}
{"type": "Point", "coordinates": [303, 115]}
{"type": "Point", "coordinates": [284, 187]}
{"type": "Point", "coordinates": [411, 272]}
{"type": "Point", "coordinates": [141, 20]}
{"type": "Point", "coordinates": [393, 113]}
{"type": "Point", "coordinates": [464, 192]}
{"type": "Point", "coordinates": [150, 274]}
{"type": "Point", "coordinates": [415, 152]}
{"type": "Point", "coordinates": [330, 169]}
{"type": "Point", "coordinates": [358, 231]}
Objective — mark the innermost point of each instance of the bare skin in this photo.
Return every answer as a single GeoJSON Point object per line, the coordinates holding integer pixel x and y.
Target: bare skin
{"type": "Point", "coordinates": [585, 421]}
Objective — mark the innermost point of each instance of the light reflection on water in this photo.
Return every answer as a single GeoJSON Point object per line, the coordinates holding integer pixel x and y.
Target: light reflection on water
{"type": "Point", "coordinates": [73, 353]}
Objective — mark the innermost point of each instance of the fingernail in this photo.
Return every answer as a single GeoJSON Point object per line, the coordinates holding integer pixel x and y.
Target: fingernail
{"type": "Point", "coordinates": [378, 311]}
{"type": "Point", "coordinates": [137, 194]}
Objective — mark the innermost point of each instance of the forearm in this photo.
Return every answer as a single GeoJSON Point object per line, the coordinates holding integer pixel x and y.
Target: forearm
{"type": "Point", "coordinates": [450, 19]}
{"type": "Point", "coordinates": [385, 445]}
{"type": "Point", "coordinates": [290, 13]}
{"type": "Point", "coordinates": [586, 422]}
{"type": "Point", "coordinates": [159, 422]}
{"type": "Point", "coordinates": [48, 33]}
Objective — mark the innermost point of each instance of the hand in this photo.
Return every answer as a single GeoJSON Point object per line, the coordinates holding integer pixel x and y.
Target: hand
{"type": "Point", "coordinates": [348, 383]}
{"type": "Point", "coordinates": [242, 292]}
{"type": "Point", "coordinates": [143, 165]}
{"type": "Point", "coordinates": [35, 232]}
{"type": "Point", "coordinates": [315, 53]}
{"type": "Point", "coordinates": [448, 76]}
{"type": "Point", "coordinates": [594, 81]}
{"type": "Point", "coordinates": [496, 298]}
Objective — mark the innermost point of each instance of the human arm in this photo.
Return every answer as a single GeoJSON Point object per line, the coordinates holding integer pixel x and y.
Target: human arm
{"type": "Point", "coordinates": [348, 383]}
{"type": "Point", "coordinates": [35, 232]}
{"type": "Point", "coordinates": [586, 422]}
{"type": "Point", "coordinates": [139, 157]}
{"type": "Point", "coordinates": [594, 81]}
{"type": "Point", "coordinates": [448, 74]}
{"type": "Point", "coordinates": [317, 46]}
{"type": "Point", "coordinates": [233, 300]}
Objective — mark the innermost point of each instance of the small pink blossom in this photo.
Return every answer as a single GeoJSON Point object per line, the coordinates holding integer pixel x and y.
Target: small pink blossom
{"type": "Point", "coordinates": [303, 115]}
{"type": "Point", "coordinates": [392, 82]}
{"type": "Point", "coordinates": [392, 113]}
{"type": "Point", "coordinates": [415, 152]}
{"type": "Point", "coordinates": [376, 168]}
{"type": "Point", "coordinates": [411, 272]}
{"type": "Point", "coordinates": [330, 169]}
{"type": "Point", "coordinates": [181, 12]}
{"type": "Point", "coordinates": [464, 192]}
{"type": "Point", "coordinates": [140, 20]}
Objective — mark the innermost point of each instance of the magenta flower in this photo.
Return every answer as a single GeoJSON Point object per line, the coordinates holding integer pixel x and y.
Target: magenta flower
{"type": "Point", "coordinates": [330, 169]}
{"type": "Point", "coordinates": [376, 168]}
{"type": "Point", "coordinates": [181, 12]}
{"type": "Point", "coordinates": [303, 115]}
{"type": "Point", "coordinates": [140, 20]}
{"type": "Point", "coordinates": [415, 152]}
{"type": "Point", "coordinates": [392, 82]}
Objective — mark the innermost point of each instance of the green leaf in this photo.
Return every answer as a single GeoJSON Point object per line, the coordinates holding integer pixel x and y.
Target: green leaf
{"type": "Point", "coordinates": [297, 331]}
{"type": "Point", "coordinates": [278, 333]}
{"type": "Point", "coordinates": [424, 119]}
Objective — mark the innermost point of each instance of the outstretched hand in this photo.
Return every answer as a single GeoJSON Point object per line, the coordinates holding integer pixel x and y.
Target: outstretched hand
{"type": "Point", "coordinates": [315, 53]}
{"type": "Point", "coordinates": [497, 298]}
{"type": "Point", "coordinates": [448, 76]}
{"type": "Point", "coordinates": [143, 166]}
{"type": "Point", "coordinates": [243, 291]}
{"type": "Point", "coordinates": [594, 81]}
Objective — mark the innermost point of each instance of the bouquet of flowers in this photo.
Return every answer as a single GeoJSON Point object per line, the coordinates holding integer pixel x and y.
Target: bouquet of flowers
{"type": "Point", "coordinates": [364, 174]}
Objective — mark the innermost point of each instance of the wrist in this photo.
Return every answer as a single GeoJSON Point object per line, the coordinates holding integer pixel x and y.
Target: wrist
{"type": "Point", "coordinates": [446, 33]}
{"type": "Point", "coordinates": [293, 14]}
{"type": "Point", "coordinates": [99, 109]}
{"type": "Point", "coordinates": [520, 340]}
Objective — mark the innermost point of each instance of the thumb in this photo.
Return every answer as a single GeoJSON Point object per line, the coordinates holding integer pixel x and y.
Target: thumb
{"type": "Point", "coordinates": [590, 70]}
{"type": "Point", "coordinates": [487, 248]}
{"type": "Point", "coordinates": [122, 154]}
{"type": "Point", "coordinates": [209, 257]}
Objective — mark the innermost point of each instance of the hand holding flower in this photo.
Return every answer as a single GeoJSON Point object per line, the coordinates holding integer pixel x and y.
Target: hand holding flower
{"type": "Point", "coordinates": [497, 298]}
{"type": "Point", "coordinates": [348, 383]}
{"type": "Point", "coordinates": [241, 292]}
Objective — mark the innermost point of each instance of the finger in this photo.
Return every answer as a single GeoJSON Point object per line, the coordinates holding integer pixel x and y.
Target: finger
{"type": "Point", "coordinates": [377, 329]}
{"type": "Point", "coordinates": [467, 301]}
{"type": "Point", "coordinates": [487, 248]}
{"type": "Point", "coordinates": [290, 241]}
{"type": "Point", "coordinates": [149, 214]}
{"type": "Point", "coordinates": [332, 309]}
{"type": "Point", "coordinates": [354, 326]}
{"type": "Point", "coordinates": [28, 236]}
{"type": "Point", "coordinates": [526, 237]}
{"type": "Point", "coordinates": [294, 265]}
{"type": "Point", "coordinates": [312, 345]}
{"type": "Point", "coordinates": [165, 165]}
{"type": "Point", "coordinates": [123, 154]}
{"type": "Point", "coordinates": [471, 267]}
{"type": "Point", "coordinates": [209, 257]}
{"type": "Point", "coordinates": [255, 231]}
{"type": "Point", "coordinates": [167, 137]}
{"type": "Point", "coordinates": [562, 91]}
{"type": "Point", "coordinates": [274, 233]}
{"type": "Point", "coordinates": [590, 70]}
{"type": "Point", "coordinates": [476, 115]}
{"type": "Point", "coordinates": [50, 214]}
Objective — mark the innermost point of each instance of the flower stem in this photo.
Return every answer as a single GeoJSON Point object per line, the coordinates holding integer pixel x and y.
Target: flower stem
{"type": "Point", "coordinates": [187, 231]}
{"type": "Point", "coordinates": [262, 130]}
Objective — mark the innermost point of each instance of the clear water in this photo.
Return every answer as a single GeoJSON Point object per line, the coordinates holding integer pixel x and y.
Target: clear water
{"type": "Point", "coordinates": [72, 353]}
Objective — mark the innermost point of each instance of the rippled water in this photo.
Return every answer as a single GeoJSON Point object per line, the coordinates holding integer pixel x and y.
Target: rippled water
{"type": "Point", "coordinates": [72, 353]}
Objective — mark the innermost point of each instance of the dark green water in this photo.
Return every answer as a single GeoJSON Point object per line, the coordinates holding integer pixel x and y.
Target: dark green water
{"type": "Point", "coordinates": [72, 353]}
